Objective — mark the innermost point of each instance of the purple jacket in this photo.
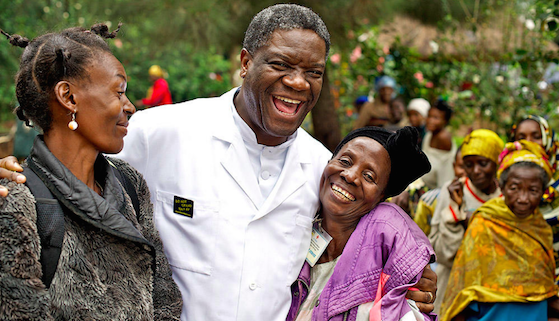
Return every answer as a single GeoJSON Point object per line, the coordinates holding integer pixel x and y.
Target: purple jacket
{"type": "Point", "coordinates": [386, 241]}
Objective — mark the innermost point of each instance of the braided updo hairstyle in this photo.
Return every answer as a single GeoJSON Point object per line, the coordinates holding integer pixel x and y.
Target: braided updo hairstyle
{"type": "Point", "coordinates": [49, 59]}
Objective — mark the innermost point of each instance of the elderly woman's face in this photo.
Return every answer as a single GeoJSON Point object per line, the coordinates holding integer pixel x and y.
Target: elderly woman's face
{"type": "Point", "coordinates": [354, 181]}
{"type": "Point", "coordinates": [523, 190]}
{"type": "Point", "coordinates": [103, 108]}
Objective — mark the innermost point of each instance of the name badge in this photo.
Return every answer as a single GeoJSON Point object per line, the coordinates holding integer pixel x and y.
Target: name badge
{"type": "Point", "coordinates": [319, 242]}
{"type": "Point", "coordinates": [183, 206]}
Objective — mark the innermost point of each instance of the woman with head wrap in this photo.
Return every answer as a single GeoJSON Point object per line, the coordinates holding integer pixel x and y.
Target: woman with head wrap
{"type": "Point", "coordinates": [504, 269]}
{"type": "Point", "coordinates": [418, 108]}
{"type": "Point", "coordinates": [375, 251]}
{"type": "Point", "coordinates": [377, 112]}
{"type": "Point", "coordinates": [158, 94]}
{"type": "Point", "coordinates": [536, 129]}
{"type": "Point", "coordinates": [460, 197]}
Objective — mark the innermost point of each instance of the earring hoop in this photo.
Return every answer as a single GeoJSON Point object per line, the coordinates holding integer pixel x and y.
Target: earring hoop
{"type": "Point", "coordinates": [73, 124]}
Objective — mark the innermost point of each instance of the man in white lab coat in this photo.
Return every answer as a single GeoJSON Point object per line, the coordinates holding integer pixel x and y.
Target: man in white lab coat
{"type": "Point", "coordinates": [235, 181]}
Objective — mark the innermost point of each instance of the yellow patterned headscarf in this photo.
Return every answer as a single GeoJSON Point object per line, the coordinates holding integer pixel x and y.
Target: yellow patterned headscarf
{"type": "Point", "coordinates": [483, 142]}
{"type": "Point", "coordinates": [523, 151]}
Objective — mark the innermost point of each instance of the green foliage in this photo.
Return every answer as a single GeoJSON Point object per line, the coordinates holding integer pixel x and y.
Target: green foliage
{"type": "Point", "coordinates": [485, 87]}
{"type": "Point", "coordinates": [192, 73]}
{"type": "Point", "coordinates": [164, 33]}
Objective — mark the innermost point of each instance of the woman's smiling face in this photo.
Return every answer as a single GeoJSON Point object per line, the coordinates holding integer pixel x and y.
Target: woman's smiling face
{"type": "Point", "coordinates": [354, 181]}
{"type": "Point", "coordinates": [103, 111]}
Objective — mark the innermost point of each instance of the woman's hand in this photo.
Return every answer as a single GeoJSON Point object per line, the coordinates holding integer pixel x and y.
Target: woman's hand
{"type": "Point", "coordinates": [9, 166]}
{"type": "Point", "coordinates": [456, 190]}
{"type": "Point", "coordinates": [426, 291]}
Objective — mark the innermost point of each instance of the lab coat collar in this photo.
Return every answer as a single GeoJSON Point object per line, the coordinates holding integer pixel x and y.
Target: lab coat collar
{"type": "Point", "coordinates": [236, 162]}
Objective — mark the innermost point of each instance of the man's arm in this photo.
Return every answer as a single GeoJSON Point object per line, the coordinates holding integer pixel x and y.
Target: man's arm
{"type": "Point", "coordinates": [426, 291]}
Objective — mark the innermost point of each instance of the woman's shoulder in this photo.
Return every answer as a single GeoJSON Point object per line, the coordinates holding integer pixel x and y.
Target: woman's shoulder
{"type": "Point", "coordinates": [394, 216]}
{"type": "Point", "coordinates": [396, 222]}
{"type": "Point", "coordinates": [133, 174]}
{"type": "Point", "coordinates": [442, 140]}
{"type": "Point", "coordinates": [20, 200]}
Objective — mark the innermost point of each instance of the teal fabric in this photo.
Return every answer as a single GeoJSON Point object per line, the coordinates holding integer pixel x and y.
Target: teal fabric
{"type": "Point", "coordinates": [479, 311]}
{"type": "Point", "coordinates": [23, 140]}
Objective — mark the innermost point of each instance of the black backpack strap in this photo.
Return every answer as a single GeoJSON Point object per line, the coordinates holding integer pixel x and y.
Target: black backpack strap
{"type": "Point", "coordinates": [50, 224]}
{"type": "Point", "coordinates": [129, 188]}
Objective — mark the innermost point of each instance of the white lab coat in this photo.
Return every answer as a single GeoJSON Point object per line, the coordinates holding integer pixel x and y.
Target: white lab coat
{"type": "Point", "coordinates": [231, 259]}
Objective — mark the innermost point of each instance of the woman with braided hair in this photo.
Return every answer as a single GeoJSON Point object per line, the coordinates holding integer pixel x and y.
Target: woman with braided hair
{"type": "Point", "coordinates": [86, 248]}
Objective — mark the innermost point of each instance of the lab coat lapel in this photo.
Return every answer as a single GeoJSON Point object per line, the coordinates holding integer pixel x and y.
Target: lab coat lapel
{"type": "Point", "coordinates": [292, 177]}
{"type": "Point", "coordinates": [237, 164]}
{"type": "Point", "coordinates": [235, 160]}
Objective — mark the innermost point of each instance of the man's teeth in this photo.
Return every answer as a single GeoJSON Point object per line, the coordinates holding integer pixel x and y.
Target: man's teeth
{"type": "Point", "coordinates": [343, 193]}
{"type": "Point", "coordinates": [287, 100]}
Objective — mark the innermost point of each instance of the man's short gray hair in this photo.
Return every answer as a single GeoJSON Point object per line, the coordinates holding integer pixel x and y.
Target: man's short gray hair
{"type": "Point", "coordinates": [283, 17]}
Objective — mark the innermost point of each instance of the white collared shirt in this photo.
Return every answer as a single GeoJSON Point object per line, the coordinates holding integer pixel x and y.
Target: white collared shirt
{"type": "Point", "coordinates": [267, 161]}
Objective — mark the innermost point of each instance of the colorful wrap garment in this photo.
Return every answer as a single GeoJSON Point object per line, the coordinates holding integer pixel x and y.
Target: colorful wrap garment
{"type": "Point", "coordinates": [425, 209]}
{"type": "Point", "coordinates": [523, 151]}
{"type": "Point", "coordinates": [502, 259]}
{"type": "Point", "coordinates": [447, 228]}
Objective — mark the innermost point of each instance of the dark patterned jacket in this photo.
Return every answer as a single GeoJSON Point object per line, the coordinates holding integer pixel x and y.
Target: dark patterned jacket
{"type": "Point", "coordinates": [112, 265]}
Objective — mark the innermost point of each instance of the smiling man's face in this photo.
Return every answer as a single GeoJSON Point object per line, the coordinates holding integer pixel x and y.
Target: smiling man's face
{"type": "Point", "coordinates": [282, 83]}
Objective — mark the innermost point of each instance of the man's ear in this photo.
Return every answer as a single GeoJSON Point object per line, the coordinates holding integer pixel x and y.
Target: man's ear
{"type": "Point", "coordinates": [246, 60]}
{"type": "Point", "coordinates": [65, 95]}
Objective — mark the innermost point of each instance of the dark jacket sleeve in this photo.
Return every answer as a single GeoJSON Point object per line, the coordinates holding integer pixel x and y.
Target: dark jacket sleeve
{"type": "Point", "coordinates": [167, 298]}
{"type": "Point", "coordinates": [23, 295]}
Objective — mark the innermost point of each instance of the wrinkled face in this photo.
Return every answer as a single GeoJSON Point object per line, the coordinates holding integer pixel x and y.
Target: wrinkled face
{"type": "Point", "coordinates": [530, 131]}
{"type": "Point", "coordinates": [481, 171]}
{"type": "Point", "coordinates": [354, 181]}
{"type": "Point", "coordinates": [458, 165]}
{"type": "Point", "coordinates": [416, 119]}
{"type": "Point", "coordinates": [523, 191]}
{"type": "Point", "coordinates": [435, 120]}
{"type": "Point", "coordinates": [282, 83]}
{"type": "Point", "coordinates": [103, 108]}
{"type": "Point", "coordinates": [386, 94]}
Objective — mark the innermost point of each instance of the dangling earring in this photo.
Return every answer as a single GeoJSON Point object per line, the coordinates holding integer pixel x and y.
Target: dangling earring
{"type": "Point", "coordinates": [73, 125]}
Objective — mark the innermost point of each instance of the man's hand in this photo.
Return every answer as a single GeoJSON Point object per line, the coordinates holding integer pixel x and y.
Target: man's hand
{"type": "Point", "coordinates": [426, 291]}
{"type": "Point", "coordinates": [456, 190]}
{"type": "Point", "coordinates": [9, 166]}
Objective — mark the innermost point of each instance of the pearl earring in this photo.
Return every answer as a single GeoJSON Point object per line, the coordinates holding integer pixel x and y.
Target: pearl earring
{"type": "Point", "coordinates": [73, 125]}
